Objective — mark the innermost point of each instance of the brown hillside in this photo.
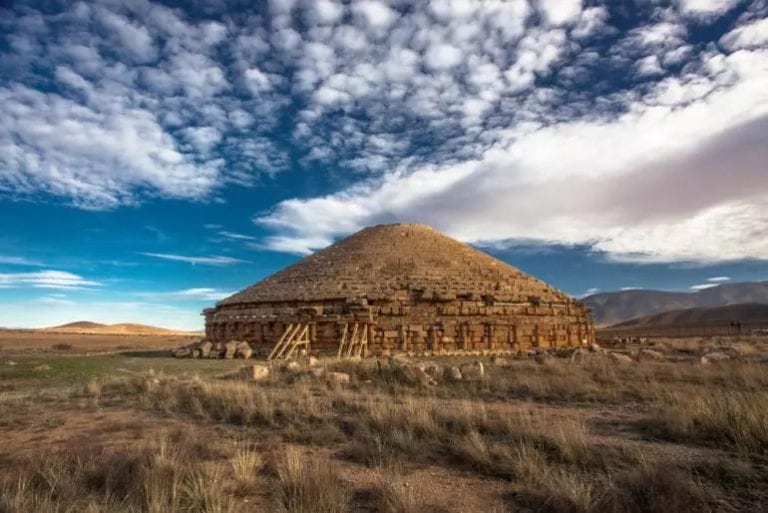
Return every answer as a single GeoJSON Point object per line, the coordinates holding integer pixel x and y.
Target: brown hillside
{"type": "Point", "coordinates": [93, 328]}
{"type": "Point", "coordinates": [752, 314]}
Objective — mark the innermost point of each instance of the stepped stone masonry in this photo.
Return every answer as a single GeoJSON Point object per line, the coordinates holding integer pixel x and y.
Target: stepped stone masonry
{"type": "Point", "coordinates": [412, 289]}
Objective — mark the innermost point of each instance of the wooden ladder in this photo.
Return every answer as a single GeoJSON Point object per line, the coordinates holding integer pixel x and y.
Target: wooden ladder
{"type": "Point", "coordinates": [294, 336]}
{"type": "Point", "coordinates": [356, 343]}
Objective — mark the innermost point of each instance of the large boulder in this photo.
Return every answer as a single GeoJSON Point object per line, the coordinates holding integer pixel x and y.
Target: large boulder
{"type": "Point", "coordinates": [230, 348]}
{"type": "Point", "coordinates": [292, 366]}
{"type": "Point", "coordinates": [182, 352]}
{"type": "Point", "coordinates": [255, 372]}
{"type": "Point", "coordinates": [416, 374]}
{"type": "Point", "coordinates": [472, 371]}
{"type": "Point", "coordinates": [398, 360]}
{"type": "Point", "coordinates": [620, 357]}
{"type": "Point", "coordinates": [243, 350]}
{"type": "Point", "coordinates": [434, 369]}
{"type": "Point", "coordinates": [453, 373]}
{"type": "Point", "coordinates": [342, 378]}
{"type": "Point", "coordinates": [714, 357]}
{"type": "Point", "coordinates": [205, 348]}
{"type": "Point", "coordinates": [650, 354]}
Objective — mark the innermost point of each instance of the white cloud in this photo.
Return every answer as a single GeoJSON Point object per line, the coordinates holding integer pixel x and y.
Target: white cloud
{"type": "Point", "coordinates": [16, 260]}
{"type": "Point", "coordinates": [668, 151]}
{"type": "Point", "coordinates": [193, 294]}
{"type": "Point", "coordinates": [703, 286]}
{"type": "Point", "coordinates": [442, 56]}
{"type": "Point", "coordinates": [48, 279]}
{"type": "Point", "coordinates": [376, 14]}
{"type": "Point", "coordinates": [649, 66]}
{"type": "Point", "coordinates": [719, 279]}
{"type": "Point", "coordinates": [236, 236]}
{"type": "Point", "coordinates": [706, 8]}
{"type": "Point", "coordinates": [203, 260]}
{"type": "Point", "coordinates": [749, 35]}
{"type": "Point", "coordinates": [560, 12]}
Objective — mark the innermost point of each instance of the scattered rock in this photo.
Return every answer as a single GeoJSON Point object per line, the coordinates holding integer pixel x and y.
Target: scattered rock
{"type": "Point", "coordinates": [595, 348]}
{"type": "Point", "coordinates": [10, 363]}
{"type": "Point", "coordinates": [620, 358]}
{"type": "Point", "coordinates": [182, 352]}
{"type": "Point", "coordinates": [243, 350]}
{"type": "Point", "coordinates": [43, 367]}
{"type": "Point", "coordinates": [579, 354]}
{"type": "Point", "coordinates": [453, 373]}
{"type": "Point", "coordinates": [230, 348]}
{"type": "Point", "coordinates": [292, 367]}
{"type": "Point", "coordinates": [341, 378]}
{"type": "Point", "coordinates": [418, 375]}
{"type": "Point", "coordinates": [472, 371]}
{"type": "Point", "coordinates": [758, 358]}
{"type": "Point", "coordinates": [714, 357]}
{"type": "Point", "coordinates": [398, 360]}
{"type": "Point", "coordinates": [205, 349]}
{"type": "Point", "coordinates": [434, 369]}
{"type": "Point", "coordinates": [312, 362]}
{"type": "Point", "coordinates": [255, 372]}
{"type": "Point", "coordinates": [317, 372]}
{"type": "Point", "coordinates": [499, 361]}
{"type": "Point", "coordinates": [650, 354]}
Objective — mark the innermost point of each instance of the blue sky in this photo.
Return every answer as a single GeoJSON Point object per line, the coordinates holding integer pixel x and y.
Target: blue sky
{"type": "Point", "coordinates": [155, 157]}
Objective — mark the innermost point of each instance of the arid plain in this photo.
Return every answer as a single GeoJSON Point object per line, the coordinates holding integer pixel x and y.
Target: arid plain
{"type": "Point", "coordinates": [129, 428]}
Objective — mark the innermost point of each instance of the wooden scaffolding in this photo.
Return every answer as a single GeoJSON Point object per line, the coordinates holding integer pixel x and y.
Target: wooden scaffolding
{"type": "Point", "coordinates": [295, 336]}
{"type": "Point", "coordinates": [354, 341]}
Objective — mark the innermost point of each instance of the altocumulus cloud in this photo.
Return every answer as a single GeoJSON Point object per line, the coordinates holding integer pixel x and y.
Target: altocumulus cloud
{"type": "Point", "coordinates": [498, 122]}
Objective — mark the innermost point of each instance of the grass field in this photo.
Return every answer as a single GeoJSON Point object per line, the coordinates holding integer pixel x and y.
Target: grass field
{"type": "Point", "coordinates": [142, 432]}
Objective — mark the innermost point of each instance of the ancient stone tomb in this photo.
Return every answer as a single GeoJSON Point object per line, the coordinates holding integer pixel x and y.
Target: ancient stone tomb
{"type": "Point", "coordinates": [399, 288]}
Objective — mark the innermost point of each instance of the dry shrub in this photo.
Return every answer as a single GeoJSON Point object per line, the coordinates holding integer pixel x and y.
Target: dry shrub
{"type": "Point", "coordinates": [308, 486]}
{"type": "Point", "coordinates": [654, 488]}
{"type": "Point", "coordinates": [61, 347]}
{"type": "Point", "coordinates": [151, 479]}
{"type": "Point", "coordinates": [715, 417]}
{"type": "Point", "coordinates": [245, 463]}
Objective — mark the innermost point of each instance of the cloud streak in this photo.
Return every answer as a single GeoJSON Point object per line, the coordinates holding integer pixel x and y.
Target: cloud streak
{"type": "Point", "coordinates": [202, 260]}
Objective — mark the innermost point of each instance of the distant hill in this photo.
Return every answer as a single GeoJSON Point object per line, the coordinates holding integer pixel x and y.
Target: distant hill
{"type": "Point", "coordinates": [611, 308]}
{"type": "Point", "coordinates": [94, 328]}
{"type": "Point", "coordinates": [746, 314]}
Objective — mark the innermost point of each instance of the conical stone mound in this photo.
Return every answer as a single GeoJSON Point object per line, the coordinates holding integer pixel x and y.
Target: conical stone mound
{"type": "Point", "coordinates": [397, 261]}
{"type": "Point", "coordinates": [413, 288]}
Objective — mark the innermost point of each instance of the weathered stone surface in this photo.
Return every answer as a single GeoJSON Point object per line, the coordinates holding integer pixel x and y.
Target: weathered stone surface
{"type": "Point", "coordinates": [243, 350]}
{"type": "Point", "coordinates": [413, 290]}
{"type": "Point", "coordinates": [182, 352]}
{"type": "Point", "coordinates": [620, 358]}
{"type": "Point", "coordinates": [434, 369]}
{"type": "Point", "coordinates": [292, 367]}
{"type": "Point", "coordinates": [416, 374]}
{"type": "Point", "coordinates": [205, 349]}
{"type": "Point", "coordinates": [230, 348]}
{"type": "Point", "coordinates": [499, 361]}
{"type": "Point", "coordinates": [453, 373]}
{"type": "Point", "coordinates": [714, 357]}
{"type": "Point", "coordinates": [255, 372]}
{"type": "Point", "coordinates": [341, 378]}
{"type": "Point", "coordinates": [650, 354]}
{"type": "Point", "coordinates": [472, 371]}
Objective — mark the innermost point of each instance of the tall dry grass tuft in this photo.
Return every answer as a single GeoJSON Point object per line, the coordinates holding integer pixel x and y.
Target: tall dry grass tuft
{"type": "Point", "coordinates": [715, 417]}
{"type": "Point", "coordinates": [308, 486]}
{"type": "Point", "coordinates": [245, 462]}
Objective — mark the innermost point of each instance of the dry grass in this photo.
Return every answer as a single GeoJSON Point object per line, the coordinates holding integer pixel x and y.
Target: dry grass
{"type": "Point", "coordinates": [561, 437]}
{"type": "Point", "coordinates": [308, 486]}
